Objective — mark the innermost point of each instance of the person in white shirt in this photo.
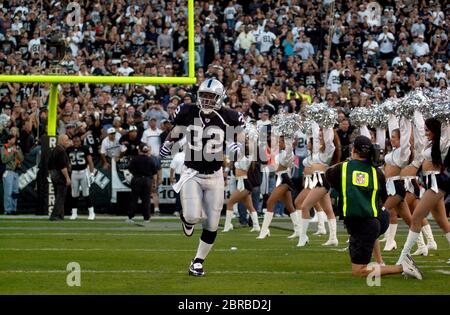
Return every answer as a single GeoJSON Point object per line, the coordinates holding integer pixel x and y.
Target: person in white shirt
{"type": "Point", "coordinates": [75, 37]}
{"type": "Point", "coordinates": [151, 136]}
{"type": "Point", "coordinates": [266, 39]}
{"type": "Point", "coordinates": [423, 65]}
{"type": "Point", "coordinates": [34, 44]}
{"type": "Point", "coordinates": [264, 120]}
{"type": "Point", "coordinates": [111, 148]}
{"type": "Point", "coordinates": [420, 48]}
{"type": "Point", "coordinates": [401, 60]}
{"type": "Point", "coordinates": [229, 13]}
{"type": "Point", "coordinates": [125, 69]}
{"type": "Point", "coordinates": [245, 39]}
{"type": "Point", "coordinates": [418, 28]}
{"type": "Point", "coordinates": [334, 81]}
{"type": "Point", "coordinates": [371, 45]}
{"type": "Point", "coordinates": [386, 41]}
{"type": "Point", "coordinates": [304, 48]}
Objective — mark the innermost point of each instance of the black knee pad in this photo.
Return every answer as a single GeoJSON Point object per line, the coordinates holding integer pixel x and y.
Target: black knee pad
{"type": "Point", "coordinates": [208, 237]}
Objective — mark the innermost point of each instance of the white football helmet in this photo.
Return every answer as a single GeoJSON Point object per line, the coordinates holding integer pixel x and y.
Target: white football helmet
{"type": "Point", "coordinates": [210, 95]}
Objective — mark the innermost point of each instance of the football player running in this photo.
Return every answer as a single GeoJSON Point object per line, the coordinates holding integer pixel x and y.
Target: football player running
{"type": "Point", "coordinates": [207, 126]}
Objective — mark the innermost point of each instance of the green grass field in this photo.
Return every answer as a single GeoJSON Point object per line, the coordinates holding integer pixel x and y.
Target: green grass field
{"type": "Point", "coordinates": [118, 258]}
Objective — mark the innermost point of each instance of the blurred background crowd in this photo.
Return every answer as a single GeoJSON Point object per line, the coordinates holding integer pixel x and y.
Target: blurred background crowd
{"type": "Point", "coordinates": [269, 54]}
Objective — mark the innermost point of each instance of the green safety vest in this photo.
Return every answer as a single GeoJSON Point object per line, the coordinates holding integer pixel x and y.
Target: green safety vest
{"type": "Point", "coordinates": [360, 187]}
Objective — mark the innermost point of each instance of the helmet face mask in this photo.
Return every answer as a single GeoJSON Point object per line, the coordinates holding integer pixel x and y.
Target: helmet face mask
{"type": "Point", "coordinates": [210, 95]}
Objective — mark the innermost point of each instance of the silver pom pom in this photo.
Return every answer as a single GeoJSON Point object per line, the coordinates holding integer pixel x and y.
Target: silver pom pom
{"type": "Point", "coordinates": [377, 117]}
{"type": "Point", "coordinates": [324, 116]}
{"type": "Point", "coordinates": [359, 116]}
{"type": "Point", "coordinates": [414, 100]}
{"type": "Point", "coordinates": [438, 106]}
{"type": "Point", "coordinates": [285, 124]}
{"type": "Point", "coordinates": [390, 105]}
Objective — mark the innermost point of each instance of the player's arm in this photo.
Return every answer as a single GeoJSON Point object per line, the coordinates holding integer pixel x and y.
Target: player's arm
{"type": "Point", "coordinates": [180, 121]}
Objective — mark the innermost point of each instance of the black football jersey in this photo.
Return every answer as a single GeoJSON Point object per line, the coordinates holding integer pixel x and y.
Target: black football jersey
{"type": "Point", "coordinates": [78, 157]}
{"type": "Point", "coordinates": [206, 135]}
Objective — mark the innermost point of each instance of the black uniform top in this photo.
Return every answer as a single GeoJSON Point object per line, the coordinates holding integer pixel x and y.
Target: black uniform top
{"type": "Point", "coordinates": [142, 165]}
{"type": "Point", "coordinates": [132, 146]}
{"type": "Point", "coordinates": [211, 130]}
{"type": "Point", "coordinates": [58, 159]}
{"type": "Point", "coordinates": [78, 157]}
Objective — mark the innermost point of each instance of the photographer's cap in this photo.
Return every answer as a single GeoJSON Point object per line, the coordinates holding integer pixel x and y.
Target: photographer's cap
{"type": "Point", "coordinates": [362, 144]}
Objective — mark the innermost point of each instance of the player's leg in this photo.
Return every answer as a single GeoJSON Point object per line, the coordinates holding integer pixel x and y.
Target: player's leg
{"type": "Point", "coordinates": [212, 203]}
{"type": "Point", "coordinates": [75, 182]}
{"type": "Point", "coordinates": [191, 196]}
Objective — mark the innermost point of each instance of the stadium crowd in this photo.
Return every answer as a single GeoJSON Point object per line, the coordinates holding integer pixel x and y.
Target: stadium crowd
{"type": "Point", "coordinates": [270, 55]}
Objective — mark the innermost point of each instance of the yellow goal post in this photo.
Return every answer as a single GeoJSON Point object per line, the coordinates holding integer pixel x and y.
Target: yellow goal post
{"type": "Point", "coordinates": [54, 80]}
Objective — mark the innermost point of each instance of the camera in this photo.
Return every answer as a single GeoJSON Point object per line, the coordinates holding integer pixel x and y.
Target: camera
{"type": "Point", "coordinates": [376, 155]}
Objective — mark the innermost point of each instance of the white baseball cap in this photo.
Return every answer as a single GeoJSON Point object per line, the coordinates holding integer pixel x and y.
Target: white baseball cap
{"type": "Point", "coordinates": [111, 130]}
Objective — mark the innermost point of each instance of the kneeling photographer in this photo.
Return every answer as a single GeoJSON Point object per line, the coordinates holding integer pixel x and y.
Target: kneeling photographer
{"type": "Point", "coordinates": [362, 191]}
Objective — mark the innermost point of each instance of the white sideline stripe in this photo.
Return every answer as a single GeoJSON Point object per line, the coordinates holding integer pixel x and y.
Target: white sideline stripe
{"type": "Point", "coordinates": [162, 249]}
{"type": "Point", "coordinates": [445, 272]}
{"type": "Point", "coordinates": [181, 272]}
{"type": "Point", "coordinates": [224, 272]}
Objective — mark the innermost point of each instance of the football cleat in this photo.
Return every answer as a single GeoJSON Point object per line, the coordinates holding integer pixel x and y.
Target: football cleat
{"type": "Point", "coordinates": [410, 268]}
{"type": "Point", "coordinates": [73, 217]}
{"type": "Point", "coordinates": [130, 221]}
{"type": "Point", "coordinates": [196, 269]}
{"type": "Point", "coordinates": [91, 216]}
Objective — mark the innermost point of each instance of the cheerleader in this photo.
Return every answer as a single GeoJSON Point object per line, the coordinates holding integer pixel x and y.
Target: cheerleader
{"type": "Point", "coordinates": [436, 183]}
{"type": "Point", "coordinates": [326, 151]}
{"type": "Point", "coordinates": [307, 186]}
{"type": "Point", "coordinates": [283, 188]}
{"type": "Point", "coordinates": [409, 177]}
{"type": "Point", "coordinates": [395, 160]}
{"type": "Point", "coordinates": [248, 176]}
